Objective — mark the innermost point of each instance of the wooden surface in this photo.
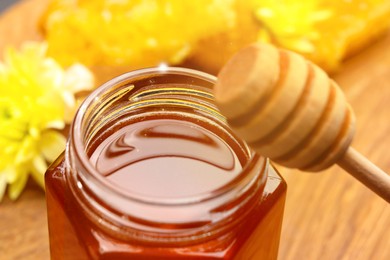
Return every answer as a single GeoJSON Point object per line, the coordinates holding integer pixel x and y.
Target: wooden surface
{"type": "Point", "coordinates": [328, 215]}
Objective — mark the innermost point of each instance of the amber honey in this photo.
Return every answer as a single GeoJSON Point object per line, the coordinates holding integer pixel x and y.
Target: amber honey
{"type": "Point", "coordinates": [152, 171]}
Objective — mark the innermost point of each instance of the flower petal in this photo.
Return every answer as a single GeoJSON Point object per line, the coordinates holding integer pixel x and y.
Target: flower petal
{"type": "Point", "coordinates": [52, 144]}
{"type": "Point", "coordinates": [10, 173]}
{"type": "Point", "coordinates": [38, 170]}
{"type": "Point", "coordinates": [3, 185]}
{"type": "Point", "coordinates": [55, 124]}
{"type": "Point", "coordinates": [16, 188]}
{"type": "Point", "coordinates": [78, 78]}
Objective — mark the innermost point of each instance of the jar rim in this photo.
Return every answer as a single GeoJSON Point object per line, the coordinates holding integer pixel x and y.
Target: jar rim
{"type": "Point", "coordinates": [79, 146]}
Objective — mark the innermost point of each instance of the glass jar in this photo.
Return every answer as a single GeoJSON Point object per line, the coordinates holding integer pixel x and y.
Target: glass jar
{"type": "Point", "coordinates": [151, 170]}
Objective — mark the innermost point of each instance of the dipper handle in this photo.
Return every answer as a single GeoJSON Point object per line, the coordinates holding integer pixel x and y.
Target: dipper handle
{"type": "Point", "coordinates": [366, 172]}
{"type": "Point", "coordinates": [289, 110]}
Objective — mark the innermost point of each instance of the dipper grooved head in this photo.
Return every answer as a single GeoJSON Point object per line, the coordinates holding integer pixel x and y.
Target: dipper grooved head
{"type": "Point", "coordinates": [285, 107]}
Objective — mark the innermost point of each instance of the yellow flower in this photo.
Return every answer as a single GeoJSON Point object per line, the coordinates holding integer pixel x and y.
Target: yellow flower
{"type": "Point", "coordinates": [36, 96]}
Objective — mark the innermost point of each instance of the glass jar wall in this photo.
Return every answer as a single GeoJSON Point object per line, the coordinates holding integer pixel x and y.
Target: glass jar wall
{"type": "Point", "coordinates": [152, 171]}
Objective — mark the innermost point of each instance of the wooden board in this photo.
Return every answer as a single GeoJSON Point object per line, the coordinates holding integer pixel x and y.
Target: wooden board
{"type": "Point", "coordinates": [328, 215]}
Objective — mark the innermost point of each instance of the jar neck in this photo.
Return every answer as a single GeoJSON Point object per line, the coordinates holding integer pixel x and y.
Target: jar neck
{"type": "Point", "coordinates": [174, 93]}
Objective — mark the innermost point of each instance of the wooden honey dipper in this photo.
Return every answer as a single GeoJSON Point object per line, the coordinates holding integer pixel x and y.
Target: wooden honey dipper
{"type": "Point", "coordinates": [289, 110]}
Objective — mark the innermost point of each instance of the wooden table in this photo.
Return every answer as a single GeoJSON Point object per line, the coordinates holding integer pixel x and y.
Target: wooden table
{"type": "Point", "coordinates": [328, 215]}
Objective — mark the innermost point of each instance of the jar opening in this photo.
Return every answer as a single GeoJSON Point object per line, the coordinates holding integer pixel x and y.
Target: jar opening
{"type": "Point", "coordinates": [167, 97]}
{"type": "Point", "coordinates": [150, 151]}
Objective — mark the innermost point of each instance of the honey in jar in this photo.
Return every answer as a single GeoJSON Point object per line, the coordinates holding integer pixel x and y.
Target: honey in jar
{"type": "Point", "coordinates": [151, 170]}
